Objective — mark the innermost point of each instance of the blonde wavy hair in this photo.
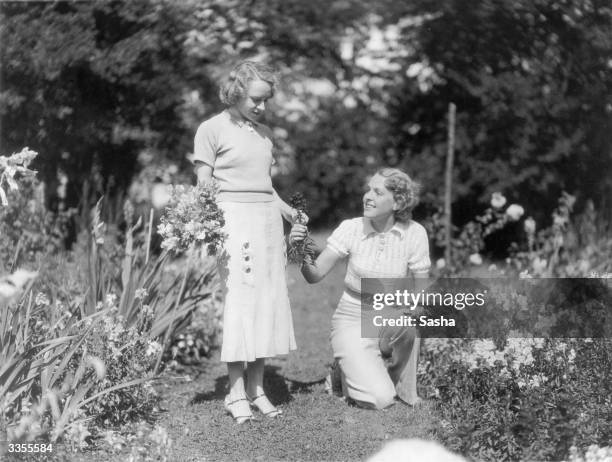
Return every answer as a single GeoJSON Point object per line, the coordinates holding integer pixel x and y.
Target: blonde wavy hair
{"type": "Point", "coordinates": [235, 87]}
{"type": "Point", "coordinates": [404, 189]}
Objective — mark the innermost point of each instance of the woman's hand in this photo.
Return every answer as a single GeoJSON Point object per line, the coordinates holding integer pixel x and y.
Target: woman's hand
{"type": "Point", "coordinates": [298, 232]}
{"type": "Point", "coordinates": [299, 217]}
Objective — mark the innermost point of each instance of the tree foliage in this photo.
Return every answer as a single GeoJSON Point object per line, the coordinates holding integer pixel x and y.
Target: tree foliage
{"type": "Point", "coordinates": [532, 81]}
{"type": "Point", "coordinates": [93, 85]}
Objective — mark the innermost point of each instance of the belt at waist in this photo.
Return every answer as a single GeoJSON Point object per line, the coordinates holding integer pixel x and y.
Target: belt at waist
{"type": "Point", "coordinates": [244, 196]}
{"type": "Point", "coordinates": [352, 293]}
{"type": "Point", "coordinates": [358, 298]}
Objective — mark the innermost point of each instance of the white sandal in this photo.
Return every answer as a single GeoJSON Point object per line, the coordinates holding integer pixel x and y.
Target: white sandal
{"type": "Point", "coordinates": [263, 404]}
{"type": "Point", "coordinates": [238, 409]}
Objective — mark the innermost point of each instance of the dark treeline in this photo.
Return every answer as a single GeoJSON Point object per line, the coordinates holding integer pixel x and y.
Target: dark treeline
{"type": "Point", "coordinates": [106, 90]}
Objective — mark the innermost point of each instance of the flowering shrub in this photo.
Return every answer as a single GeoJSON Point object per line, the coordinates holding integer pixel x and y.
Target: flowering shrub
{"type": "Point", "coordinates": [42, 395]}
{"type": "Point", "coordinates": [202, 334]}
{"type": "Point", "coordinates": [469, 242]}
{"type": "Point", "coordinates": [531, 400]}
{"type": "Point", "coordinates": [192, 217]}
{"type": "Point", "coordinates": [565, 249]}
{"type": "Point", "coordinates": [28, 231]}
{"type": "Point", "coordinates": [16, 163]}
{"type": "Point", "coordinates": [522, 398]}
{"type": "Point", "coordinates": [144, 444]}
{"type": "Point", "coordinates": [130, 354]}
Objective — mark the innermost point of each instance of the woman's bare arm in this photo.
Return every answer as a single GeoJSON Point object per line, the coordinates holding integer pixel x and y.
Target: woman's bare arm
{"type": "Point", "coordinates": [203, 172]}
{"type": "Point", "coordinates": [322, 266]}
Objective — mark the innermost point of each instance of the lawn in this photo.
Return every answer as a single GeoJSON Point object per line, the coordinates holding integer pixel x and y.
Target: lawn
{"type": "Point", "coordinates": [315, 425]}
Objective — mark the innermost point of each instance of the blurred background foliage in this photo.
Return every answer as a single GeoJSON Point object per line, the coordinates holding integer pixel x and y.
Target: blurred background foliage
{"type": "Point", "coordinates": [110, 94]}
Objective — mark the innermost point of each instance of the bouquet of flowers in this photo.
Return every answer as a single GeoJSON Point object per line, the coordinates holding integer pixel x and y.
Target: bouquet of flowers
{"type": "Point", "coordinates": [298, 251]}
{"type": "Point", "coordinates": [192, 218]}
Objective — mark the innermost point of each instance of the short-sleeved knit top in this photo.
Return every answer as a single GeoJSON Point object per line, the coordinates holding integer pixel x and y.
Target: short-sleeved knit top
{"type": "Point", "coordinates": [240, 155]}
{"type": "Point", "coordinates": [393, 254]}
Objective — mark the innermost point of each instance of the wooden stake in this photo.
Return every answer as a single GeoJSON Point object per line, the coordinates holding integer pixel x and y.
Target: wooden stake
{"type": "Point", "coordinates": [448, 183]}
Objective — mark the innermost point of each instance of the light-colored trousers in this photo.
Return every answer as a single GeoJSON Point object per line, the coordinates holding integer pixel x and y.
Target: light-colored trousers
{"type": "Point", "coordinates": [374, 370]}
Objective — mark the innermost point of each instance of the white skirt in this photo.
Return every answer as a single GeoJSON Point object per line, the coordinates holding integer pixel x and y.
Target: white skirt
{"type": "Point", "coordinates": [257, 319]}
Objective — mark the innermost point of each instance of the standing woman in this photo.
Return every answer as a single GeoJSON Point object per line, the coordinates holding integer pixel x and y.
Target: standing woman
{"type": "Point", "coordinates": [235, 149]}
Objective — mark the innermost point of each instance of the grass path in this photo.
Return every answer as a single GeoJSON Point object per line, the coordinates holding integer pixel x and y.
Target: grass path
{"type": "Point", "coordinates": [315, 425]}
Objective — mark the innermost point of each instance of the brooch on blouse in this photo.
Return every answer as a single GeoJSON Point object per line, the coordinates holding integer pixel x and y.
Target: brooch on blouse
{"type": "Point", "coordinates": [246, 123]}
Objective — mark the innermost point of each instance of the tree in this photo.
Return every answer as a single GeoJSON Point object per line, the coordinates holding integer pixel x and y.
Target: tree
{"type": "Point", "coordinates": [532, 82]}
{"type": "Point", "coordinates": [89, 85]}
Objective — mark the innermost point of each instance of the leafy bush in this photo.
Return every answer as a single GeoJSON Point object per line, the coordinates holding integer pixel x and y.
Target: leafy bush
{"type": "Point", "coordinates": [130, 355]}
{"type": "Point", "coordinates": [74, 355]}
{"type": "Point", "coordinates": [29, 232]}
{"type": "Point", "coordinates": [581, 248]}
{"type": "Point", "coordinates": [468, 242]}
{"type": "Point", "coordinates": [532, 400]}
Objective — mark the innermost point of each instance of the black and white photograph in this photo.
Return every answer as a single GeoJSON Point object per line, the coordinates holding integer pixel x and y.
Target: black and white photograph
{"type": "Point", "coordinates": [291, 230]}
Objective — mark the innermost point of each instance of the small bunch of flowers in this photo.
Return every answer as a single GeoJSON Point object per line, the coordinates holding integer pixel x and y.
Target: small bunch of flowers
{"type": "Point", "coordinates": [192, 218]}
{"type": "Point", "coordinates": [16, 163]}
{"type": "Point", "coordinates": [298, 251]}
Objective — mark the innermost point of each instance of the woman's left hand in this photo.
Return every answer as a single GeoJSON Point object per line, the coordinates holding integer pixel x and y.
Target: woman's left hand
{"type": "Point", "coordinates": [298, 233]}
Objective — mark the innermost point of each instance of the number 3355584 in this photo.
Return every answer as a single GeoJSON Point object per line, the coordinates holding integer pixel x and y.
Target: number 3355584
{"type": "Point", "coordinates": [30, 447]}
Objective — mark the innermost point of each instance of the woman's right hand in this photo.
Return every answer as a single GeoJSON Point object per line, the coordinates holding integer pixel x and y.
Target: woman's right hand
{"type": "Point", "coordinates": [298, 232]}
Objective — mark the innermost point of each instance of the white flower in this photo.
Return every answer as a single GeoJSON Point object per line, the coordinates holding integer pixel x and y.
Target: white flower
{"type": "Point", "coordinates": [497, 200]}
{"type": "Point", "coordinates": [141, 293]}
{"type": "Point", "coordinates": [160, 195]}
{"type": "Point", "coordinates": [114, 440]}
{"type": "Point", "coordinates": [111, 299]}
{"type": "Point", "coordinates": [515, 212]}
{"type": "Point", "coordinates": [539, 265]}
{"type": "Point", "coordinates": [165, 229]}
{"type": "Point", "coordinates": [170, 243]}
{"type": "Point", "coordinates": [41, 299]}
{"type": "Point", "coordinates": [529, 225]}
{"type": "Point", "coordinates": [476, 259]}
{"type": "Point", "coordinates": [98, 366]}
{"type": "Point", "coordinates": [153, 348]}
{"type": "Point", "coordinates": [191, 227]}
{"type": "Point", "coordinates": [558, 220]}
{"type": "Point", "coordinates": [11, 285]}
{"type": "Point", "coordinates": [440, 263]}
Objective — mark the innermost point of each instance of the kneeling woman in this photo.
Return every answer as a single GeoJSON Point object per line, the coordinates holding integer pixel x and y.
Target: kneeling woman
{"type": "Point", "coordinates": [384, 243]}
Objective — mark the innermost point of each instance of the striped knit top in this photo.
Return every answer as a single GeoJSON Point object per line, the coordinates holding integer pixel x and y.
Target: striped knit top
{"type": "Point", "coordinates": [393, 254]}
